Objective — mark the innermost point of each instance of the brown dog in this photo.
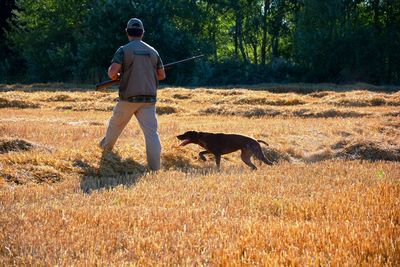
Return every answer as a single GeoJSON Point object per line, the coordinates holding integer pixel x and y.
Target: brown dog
{"type": "Point", "coordinates": [220, 144]}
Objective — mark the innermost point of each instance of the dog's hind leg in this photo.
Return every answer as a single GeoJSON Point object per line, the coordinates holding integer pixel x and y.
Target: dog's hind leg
{"type": "Point", "coordinates": [202, 153]}
{"type": "Point", "coordinates": [257, 151]}
{"type": "Point", "coordinates": [246, 154]}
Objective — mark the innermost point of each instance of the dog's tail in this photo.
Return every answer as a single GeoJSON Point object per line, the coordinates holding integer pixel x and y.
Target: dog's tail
{"type": "Point", "coordinates": [261, 141]}
{"type": "Point", "coordinates": [257, 151]}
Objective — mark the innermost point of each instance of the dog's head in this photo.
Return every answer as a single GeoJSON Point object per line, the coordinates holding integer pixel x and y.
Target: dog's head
{"type": "Point", "coordinates": [189, 137]}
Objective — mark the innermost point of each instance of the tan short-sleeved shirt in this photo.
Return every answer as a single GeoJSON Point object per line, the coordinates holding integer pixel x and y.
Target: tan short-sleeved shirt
{"type": "Point", "coordinates": [139, 63]}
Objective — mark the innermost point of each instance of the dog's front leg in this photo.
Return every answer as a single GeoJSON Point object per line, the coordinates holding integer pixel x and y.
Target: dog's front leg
{"type": "Point", "coordinates": [202, 153]}
{"type": "Point", "coordinates": [217, 160]}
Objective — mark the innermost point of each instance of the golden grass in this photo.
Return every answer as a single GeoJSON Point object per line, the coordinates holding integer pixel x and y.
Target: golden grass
{"type": "Point", "coordinates": [332, 198]}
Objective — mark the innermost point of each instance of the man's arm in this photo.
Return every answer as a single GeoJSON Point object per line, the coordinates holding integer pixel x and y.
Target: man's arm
{"type": "Point", "coordinates": [114, 70]}
{"type": "Point", "coordinates": [116, 64]}
{"type": "Point", "coordinates": [160, 74]}
{"type": "Point", "coordinates": [160, 68]}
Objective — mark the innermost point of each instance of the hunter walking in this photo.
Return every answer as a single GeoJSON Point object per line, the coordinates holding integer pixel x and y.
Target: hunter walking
{"type": "Point", "coordinates": [139, 67]}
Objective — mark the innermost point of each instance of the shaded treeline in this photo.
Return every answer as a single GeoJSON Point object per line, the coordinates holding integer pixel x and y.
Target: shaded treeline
{"type": "Point", "coordinates": [246, 41]}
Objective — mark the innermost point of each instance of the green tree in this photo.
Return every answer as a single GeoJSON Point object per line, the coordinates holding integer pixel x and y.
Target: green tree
{"type": "Point", "coordinates": [349, 40]}
{"type": "Point", "coordinates": [169, 27]}
{"type": "Point", "coordinates": [9, 59]}
{"type": "Point", "coordinates": [46, 36]}
{"type": "Point", "coordinates": [317, 37]}
{"type": "Point", "coordinates": [246, 41]}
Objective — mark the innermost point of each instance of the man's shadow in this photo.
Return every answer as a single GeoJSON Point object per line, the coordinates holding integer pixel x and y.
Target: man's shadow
{"type": "Point", "coordinates": [112, 171]}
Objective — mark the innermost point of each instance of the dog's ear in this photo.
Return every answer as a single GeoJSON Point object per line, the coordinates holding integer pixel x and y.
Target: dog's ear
{"type": "Point", "coordinates": [195, 135]}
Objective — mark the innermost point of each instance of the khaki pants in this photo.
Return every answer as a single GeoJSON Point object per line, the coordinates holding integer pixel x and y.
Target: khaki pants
{"type": "Point", "coordinates": [146, 115]}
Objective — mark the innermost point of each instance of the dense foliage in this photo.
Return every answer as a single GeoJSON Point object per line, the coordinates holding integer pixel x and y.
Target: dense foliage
{"type": "Point", "coordinates": [246, 41]}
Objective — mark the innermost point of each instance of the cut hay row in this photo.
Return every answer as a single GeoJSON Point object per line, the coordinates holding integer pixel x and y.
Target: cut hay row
{"type": "Point", "coordinates": [41, 166]}
{"type": "Point", "coordinates": [205, 101]}
{"type": "Point", "coordinates": [236, 97]}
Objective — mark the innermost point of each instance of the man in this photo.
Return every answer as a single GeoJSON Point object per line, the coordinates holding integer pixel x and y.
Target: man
{"type": "Point", "coordinates": [140, 68]}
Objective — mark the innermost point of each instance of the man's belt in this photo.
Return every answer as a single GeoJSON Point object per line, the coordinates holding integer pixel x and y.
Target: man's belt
{"type": "Point", "coordinates": [142, 99]}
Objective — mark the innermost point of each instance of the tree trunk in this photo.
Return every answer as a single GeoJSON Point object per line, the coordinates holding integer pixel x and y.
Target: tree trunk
{"type": "Point", "coordinates": [214, 41]}
{"type": "Point", "coordinates": [391, 50]}
{"type": "Point", "coordinates": [235, 37]}
{"type": "Point", "coordinates": [375, 8]}
{"type": "Point", "coordinates": [275, 46]}
{"type": "Point", "coordinates": [255, 53]}
{"type": "Point", "coordinates": [264, 32]}
{"type": "Point", "coordinates": [240, 36]}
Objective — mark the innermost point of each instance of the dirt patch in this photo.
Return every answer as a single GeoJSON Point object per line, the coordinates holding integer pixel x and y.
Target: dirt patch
{"type": "Point", "coordinates": [5, 103]}
{"type": "Point", "coordinates": [13, 145]}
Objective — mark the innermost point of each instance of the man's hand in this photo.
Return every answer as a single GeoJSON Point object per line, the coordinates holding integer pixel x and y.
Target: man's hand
{"type": "Point", "coordinates": [114, 70]}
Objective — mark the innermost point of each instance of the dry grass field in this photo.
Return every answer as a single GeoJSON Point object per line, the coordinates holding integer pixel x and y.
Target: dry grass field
{"type": "Point", "coordinates": [332, 198]}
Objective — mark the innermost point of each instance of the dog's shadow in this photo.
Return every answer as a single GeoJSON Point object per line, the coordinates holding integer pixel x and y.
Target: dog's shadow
{"type": "Point", "coordinates": [112, 171]}
{"type": "Point", "coordinates": [187, 165]}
